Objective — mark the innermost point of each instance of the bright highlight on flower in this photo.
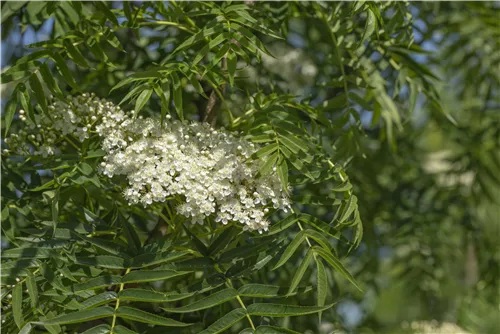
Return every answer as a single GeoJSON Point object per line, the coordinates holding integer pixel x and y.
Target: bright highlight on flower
{"type": "Point", "coordinates": [208, 171]}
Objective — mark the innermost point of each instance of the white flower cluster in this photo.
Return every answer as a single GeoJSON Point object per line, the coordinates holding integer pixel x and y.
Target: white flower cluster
{"type": "Point", "coordinates": [208, 171]}
{"type": "Point", "coordinates": [433, 327]}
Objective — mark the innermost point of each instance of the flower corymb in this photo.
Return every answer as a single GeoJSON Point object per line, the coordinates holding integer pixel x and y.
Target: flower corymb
{"type": "Point", "coordinates": [211, 172]}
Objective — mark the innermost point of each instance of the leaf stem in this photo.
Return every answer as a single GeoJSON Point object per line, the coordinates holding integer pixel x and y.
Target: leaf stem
{"type": "Point", "coordinates": [229, 284]}
{"type": "Point", "coordinates": [117, 304]}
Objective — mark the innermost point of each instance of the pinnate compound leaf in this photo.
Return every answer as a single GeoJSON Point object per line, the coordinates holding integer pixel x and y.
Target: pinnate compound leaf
{"type": "Point", "coordinates": [225, 322]}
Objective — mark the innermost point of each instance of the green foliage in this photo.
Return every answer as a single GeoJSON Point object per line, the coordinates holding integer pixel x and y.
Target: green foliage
{"type": "Point", "coordinates": [336, 116]}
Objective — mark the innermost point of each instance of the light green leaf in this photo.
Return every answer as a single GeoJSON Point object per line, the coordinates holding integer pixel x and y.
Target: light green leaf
{"type": "Point", "coordinates": [123, 330]}
{"type": "Point", "coordinates": [280, 310]}
{"type": "Point", "coordinates": [336, 264]}
{"type": "Point", "coordinates": [225, 322]}
{"type": "Point", "coordinates": [134, 314]}
{"type": "Point", "coordinates": [300, 271]}
{"type": "Point", "coordinates": [207, 302]}
{"type": "Point", "coordinates": [10, 110]}
{"type": "Point", "coordinates": [268, 165]}
{"type": "Point", "coordinates": [17, 304]}
{"type": "Point", "coordinates": [322, 281]}
{"type": "Point", "coordinates": [291, 248]}
{"type": "Point", "coordinates": [283, 173]}
{"type": "Point", "coordinates": [142, 99]}
{"type": "Point", "coordinates": [75, 54]}
{"type": "Point", "coordinates": [98, 300]}
{"type": "Point", "coordinates": [151, 275]}
{"type": "Point", "coordinates": [163, 93]}
{"type": "Point", "coordinates": [281, 225]}
{"type": "Point", "coordinates": [177, 91]}
{"type": "Point", "coordinates": [32, 289]}
{"type": "Point", "coordinates": [231, 66]}
{"type": "Point", "coordinates": [100, 329]}
{"type": "Point", "coordinates": [26, 329]}
{"type": "Point", "coordinates": [266, 150]}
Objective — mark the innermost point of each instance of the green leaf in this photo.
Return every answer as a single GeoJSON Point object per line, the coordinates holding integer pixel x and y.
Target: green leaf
{"type": "Point", "coordinates": [281, 225]}
{"type": "Point", "coordinates": [231, 66]}
{"type": "Point", "coordinates": [163, 93]}
{"type": "Point", "coordinates": [103, 261]}
{"type": "Point", "coordinates": [134, 314]}
{"type": "Point", "coordinates": [207, 302]}
{"type": "Point", "coordinates": [123, 330]}
{"type": "Point", "coordinates": [283, 173]}
{"type": "Point", "coordinates": [274, 330]}
{"type": "Point", "coordinates": [212, 44]}
{"type": "Point", "coordinates": [10, 111]}
{"type": "Point", "coordinates": [49, 80]}
{"type": "Point", "coordinates": [80, 316]}
{"type": "Point", "coordinates": [11, 8]}
{"type": "Point", "coordinates": [300, 271]}
{"type": "Point", "coordinates": [65, 72]}
{"type": "Point", "coordinates": [142, 99]}
{"type": "Point", "coordinates": [142, 295]}
{"type": "Point", "coordinates": [177, 91]}
{"type": "Point", "coordinates": [322, 280]}
{"type": "Point", "coordinates": [225, 322]}
{"type": "Point", "coordinates": [222, 241]}
{"type": "Point", "coordinates": [280, 310]}
{"type": "Point", "coordinates": [25, 100]}
{"type": "Point", "coordinates": [336, 264]}
{"type": "Point", "coordinates": [370, 25]}
{"type": "Point", "coordinates": [100, 329]}
{"type": "Point", "coordinates": [37, 88]}
{"type": "Point", "coordinates": [151, 275]}
{"type": "Point", "coordinates": [98, 300]}
{"type": "Point", "coordinates": [259, 291]}
{"type": "Point", "coordinates": [291, 248]}
{"type": "Point", "coordinates": [98, 282]}
{"type": "Point", "coordinates": [26, 329]}
{"type": "Point", "coordinates": [28, 252]}
{"type": "Point", "coordinates": [266, 150]}
{"type": "Point", "coordinates": [268, 165]}
{"type": "Point", "coordinates": [32, 289]}
{"type": "Point", "coordinates": [75, 54]}
{"type": "Point", "coordinates": [103, 8]}
{"type": "Point", "coordinates": [17, 304]}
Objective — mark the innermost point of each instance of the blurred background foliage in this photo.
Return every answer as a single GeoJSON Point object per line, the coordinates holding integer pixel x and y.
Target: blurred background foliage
{"type": "Point", "coordinates": [412, 91]}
